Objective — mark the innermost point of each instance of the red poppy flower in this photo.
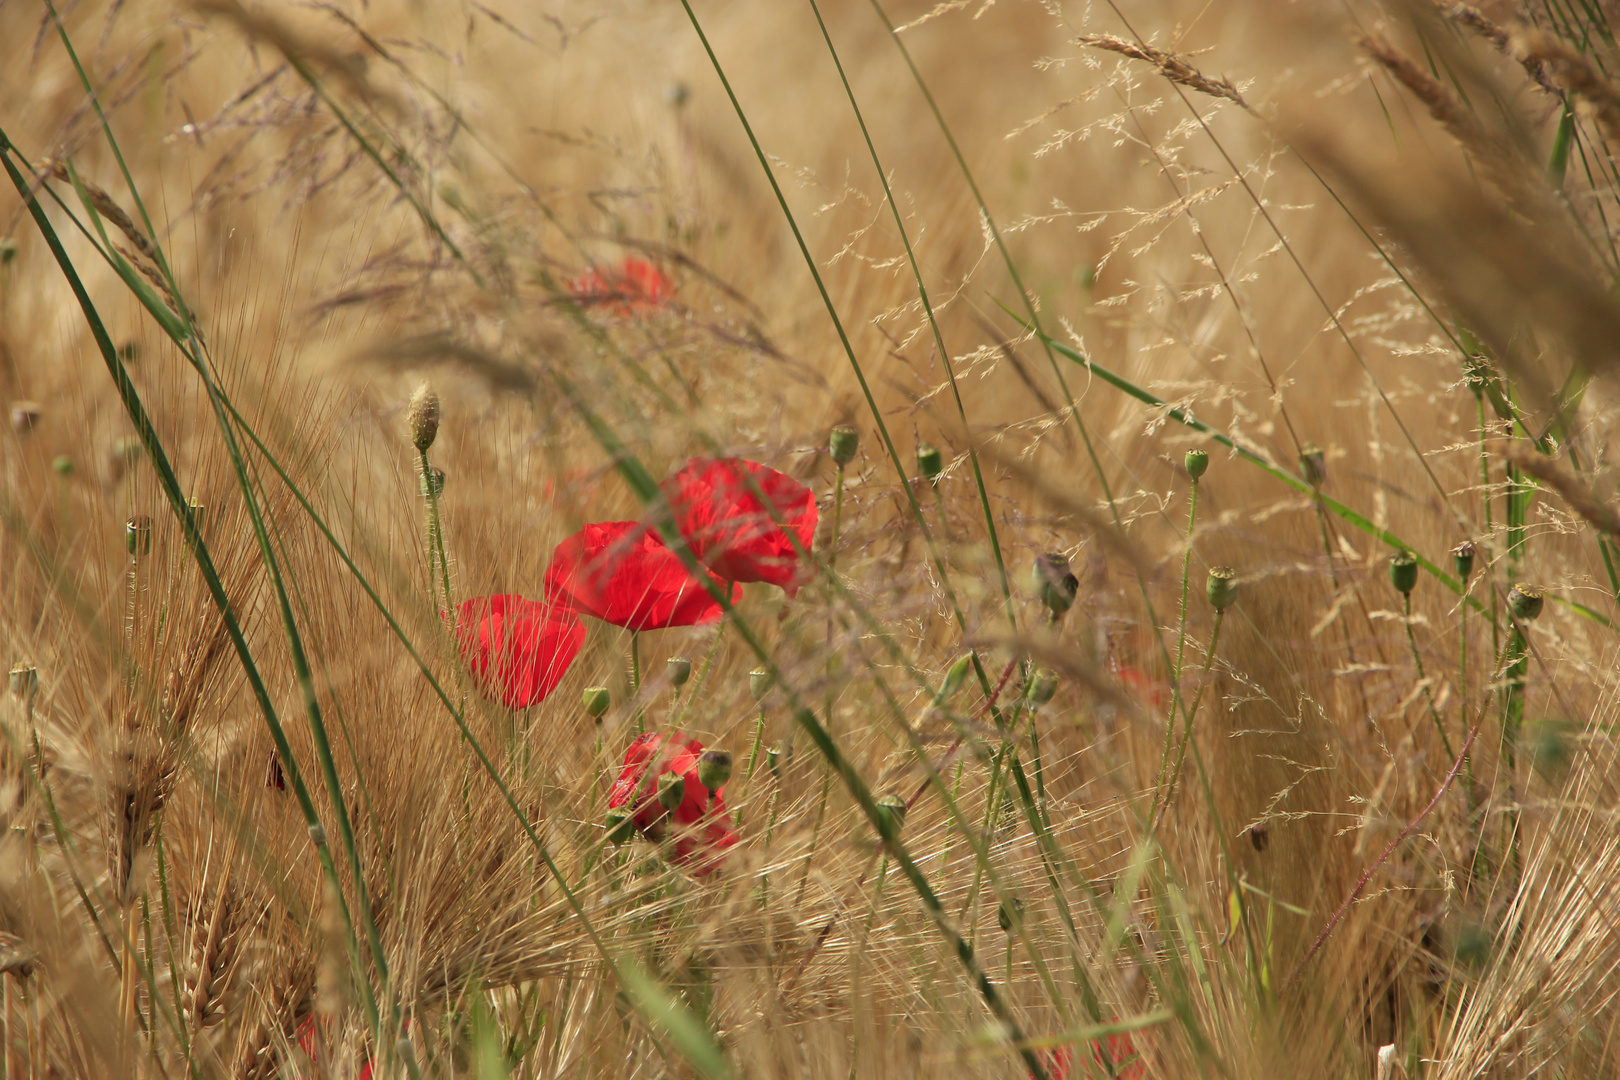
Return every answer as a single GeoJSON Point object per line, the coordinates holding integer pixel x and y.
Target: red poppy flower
{"type": "Point", "coordinates": [702, 832]}
{"type": "Point", "coordinates": [1143, 685]}
{"type": "Point", "coordinates": [621, 572]}
{"type": "Point", "coordinates": [517, 649]}
{"type": "Point", "coordinates": [1121, 1056]}
{"type": "Point", "coordinates": [733, 531]}
{"type": "Point", "coordinates": [637, 285]}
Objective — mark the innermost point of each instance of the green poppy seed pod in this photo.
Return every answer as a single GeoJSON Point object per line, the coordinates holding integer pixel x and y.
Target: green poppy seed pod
{"type": "Point", "coordinates": [1403, 570]}
{"type": "Point", "coordinates": [24, 680]}
{"type": "Point", "coordinates": [1196, 462]}
{"type": "Point", "coordinates": [894, 808]}
{"type": "Point", "coordinates": [129, 352]}
{"type": "Point", "coordinates": [317, 834]}
{"type": "Point", "coordinates": [422, 417]}
{"type": "Point", "coordinates": [128, 450]}
{"type": "Point", "coordinates": [1221, 587]}
{"type": "Point", "coordinates": [930, 463]}
{"type": "Point", "coordinates": [138, 535]}
{"type": "Point", "coordinates": [777, 757]}
{"type": "Point", "coordinates": [62, 465]}
{"type": "Point", "coordinates": [955, 676]}
{"type": "Point", "coordinates": [680, 670]}
{"type": "Point", "coordinates": [671, 790]}
{"type": "Point", "coordinates": [1312, 464]}
{"type": "Point", "coordinates": [25, 417]}
{"type": "Point", "coordinates": [8, 251]}
{"type": "Point", "coordinates": [1042, 687]}
{"type": "Point", "coordinates": [842, 444]}
{"type": "Point", "coordinates": [759, 683]}
{"type": "Point", "coordinates": [620, 826]}
{"type": "Point", "coordinates": [597, 700]}
{"type": "Point", "coordinates": [1525, 601]}
{"type": "Point", "coordinates": [438, 482]}
{"type": "Point", "coordinates": [1055, 584]}
{"type": "Point", "coordinates": [1462, 557]}
{"type": "Point", "coordinates": [1009, 915]}
{"type": "Point", "coordinates": [714, 768]}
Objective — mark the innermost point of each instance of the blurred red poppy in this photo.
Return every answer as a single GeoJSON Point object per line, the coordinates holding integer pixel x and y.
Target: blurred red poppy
{"type": "Point", "coordinates": [699, 828]}
{"type": "Point", "coordinates": [621, 572]}
{"type": "Point", "coordinates": [735, 532]}
{"type": "Point", "coordinates": [1143, 685]}
{"type": "Point", "coordinates": [517, 649]}
{"type": "Point", "coordinates": [1121, 1061]}
{"type": "Point", "coordinates": [635, 286]}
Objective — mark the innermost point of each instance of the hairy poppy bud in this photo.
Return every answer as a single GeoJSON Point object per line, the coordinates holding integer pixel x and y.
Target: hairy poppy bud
{"type": "Point", "coordinates": [1196, 462]}
{"type": "Point", "coordinates": [1010, 914]}
{"type": "Point", "coordinates": [759, 683]}
{"type": "Point", "coordinates": [138, 535]}
{"type": "Point", "coordinates": [422, 416]}
{"type": "Point", "coordinates": [930, 463]}
{"type": "Point", "coordinates": [680, 670]}
{"type": "Point", "coordinates": [597, 700]}
{"type": "Point", "coordinates": [62, 465]}
{"type": "Point", "coordinates": [619, 826]}
{"type": "Point", "coordinates": [438, 482]}
{"type": "Point", "coordinates": [842, 444]}
{"type": "Point", "coordinates": [1055, 584]}
{"type": "Point", "coordinates": [1462, 557]}
{"type": "Point", "coordinates": [24, 680]}
{"type": "Point", "coordinates": [714, 769]}
{"type": "Point", "coordinates": [25, 417]}
{"type": "Point", "coordinates": [1259, 836]}
{"type": "Point", "coordinates": [778, 756]}
{"type": "Point", "coordinates": [1042, 687]}
{"type": "Point", "coordinates": [317, 834]}
{"type": "Point", "coordinates": [894, 808]}
{"type": "Point", "coordinates": [1403, 570]}
{"type": "Point", "coordinates": [955, 676]}
{"type": "Point", "coordinates": [1312, 464]}
{"type": "Point", "coordinates": [1525, 601]}
{"type": "Point", "coordinates": [1221, 587]}
{"type": "Point", "coordinates": [671, 790]}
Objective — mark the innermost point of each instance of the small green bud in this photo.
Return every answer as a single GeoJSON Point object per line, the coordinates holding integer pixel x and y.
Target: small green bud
{"type": "Point", "coordinates": [62, 465]}
{"type": "Point", "coordinates": [25, 416]}
{"type": "Point", "coordinates": [1009, 915]}
{"type": "Point", "coordinates": [128, 450]}
{"type": "Point", "coordinates": [930, 463]}
{"type": "Point", "coordinates": [8, 251]}
{"type": "Point", "coordinates": [777, 757]}
{"type": "Point", "coordinates": [1313, 464]}
{"type": "Point", "coordinates": [714, 769]}
{"type": "Point", "coordinates": [620, 826]}
{"type": "Point", "coordinates": [671, 790]}
{"type": "Point", "coordinates": [1525, 600]}
{"type": "Point", "coordinates": [1055, 584]}
{"type": "Point", "coordinates": [422, 417]}
{"type": "Point", "coordinates": [1221, 587]}
{"type": "Point", "coordinates": [1462, 557]}
{"type": "Point", "coordinates": [438, 482]}
{"type": "Point", "coordinates": [1042, 687]}
{"type": "Point", "coordinates": [1403, 572]}
{"type": "Point", "coordinates": [759, 683]}
{"type": "Point", "coordinates": [24, 680]}
{"type": "Point", "coordinates": [1196, 462]}
{"type": "Point", "coordinates": [680, 670]}
{"type": "Point", "coordinates": [842, 444]}
{"type": "Point", "coordinates": [894, 808]}
{"type": "Point", "coordinates": [597, 700]}
{"type": "Point", "coordinates": [955, 676]}
{"type": "Point", "coordinates": [138, 535]}
{"type": "Point", "coordinates": [129, 352]}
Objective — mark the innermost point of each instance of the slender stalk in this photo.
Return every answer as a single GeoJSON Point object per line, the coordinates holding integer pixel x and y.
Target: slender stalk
{"type": "Point", "coordinates": [1417, 659]}
{"type": "Point", "coordinates": [436, 534]}
{"type": "Point", "coordinates": [1186, 732]}
{"type": "Point", "coordinates": [635, 681]}
{"type": "Point", "coordinates": [1181, 647]}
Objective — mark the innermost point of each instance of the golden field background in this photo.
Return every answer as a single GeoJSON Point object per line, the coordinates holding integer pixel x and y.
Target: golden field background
{"type": "Point", "coordinates": [1223, 259]}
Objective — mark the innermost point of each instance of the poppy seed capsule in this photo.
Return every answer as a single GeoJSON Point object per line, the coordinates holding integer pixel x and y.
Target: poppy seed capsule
{"type": "Point", "coordinates": [1524, 601]}
{"type": "Point", "coordinates": [1221, 587]}
{"type": "Point", "coordinates": [129, 352]}
{"type": "Point", "coordinates": [1010, 914]}
{"type": "Point", "coordinates": [714, 769]}
{"type": "Point", "coordinates": [894, 808]}
{"type": "Point", "coordinates": [24, 680]}
{"type": "Point", "coordinates": [8, 251]}
{"type": "Point", "coordinates": [25, 417]}
{"type": "Point", "coordinates": [777, 756]}
{"type": "Point", "coordinates": [671, 790]}
{"type": "Point", "coordinates": [1312, 464]}
{"type": "Point", "coordinates": [138, 535]}
{"type": "Point", "coordinates": [597, 700]}
{"type": "Point", "coordinates": [930, 463]}
{"type": "Point", "coordinates": [759, 683]}
{"type": "Point", "coordinates": [619, 826]}
{"type": "Point", "coordinates": [1462, 557]}
{"type": "Point", "coordinates": [680, 670]}
{"type": "Point", "coordinates": [422, 417]}
{"type": "Point", "coordinates": [842, 444]}
{"type": "Point", "coordinates": [62, 466]}
{"type": "Point", "coordinates": [438, 482]}
{"type": "Point", "coordinates": [1403, 570]}
{"type": "Point", "coordinates": [1055, 584]}
{"type": "Point", "coordinates": [1042, 687]}
{"type": "Point", "coordinates": [1196, 463]}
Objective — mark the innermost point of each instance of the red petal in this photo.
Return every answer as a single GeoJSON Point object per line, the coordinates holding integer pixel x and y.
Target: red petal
{"type": "Point", "coordinates": [518, 650]}
{"type": "Point", "coordinates": [733, 530]}
{"type": "Point", "coordinates": [621, 573]}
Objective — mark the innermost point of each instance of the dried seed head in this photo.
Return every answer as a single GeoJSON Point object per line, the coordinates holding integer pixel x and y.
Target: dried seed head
{"type": "Point", "coordinates": [714, 768]}
{"type": "Point", "coordinates": [842, 444]}
{"type": "Point", "coordinates": [1196, 462]}
{"type": "Point", "coordinates": [1042, 687]}
{"type": "Point", "coordinates": [1010, 914]}
{"type": "Point", "coordinates": [1055, 584]}
{"type": "Point", "coordinates": [619, 825]}
{"type": "Point", "coordinates": [1462, 557]}
{"type": "Point", "coordinates": [24, 680]}
{"type": "Point", "coordinates": [25, 416]}
{"type": "Point", "coordinates": [422, 417]}
{"type": "Point", "coordinates": [671, 790]}
{"type": "Point", "coordinates": [1403, 572]}
{"type": "Point", "coordinates": [138, 535]}
{"type": "Point", "coordinates": [894, 808]}
{"type": "Point", "coordinates": [778, 756]}
{"type": "Point", "coordinates": [1313, 464]}
{"type": "Point", "coordinates": [680, 670]}
{"type": "Point", "coordinates": [1259, 836]}
{"type": "Point", "coordinates": [1221, 587]}
{"type": "Point", "coordinates": [930, 463]}
{"type": "Point", "coordinates": [62, 465]}
{"type": "Point", "coordinates": [438, 482]}
{"type": "Point", "coordinates": [1476, 373]}
{"type": "Point", "coordinates": [597, 700]}
{"type": "Point", "coordinates": [759, 683]}
{"type": "Point", "coordinates": [1525, 600]}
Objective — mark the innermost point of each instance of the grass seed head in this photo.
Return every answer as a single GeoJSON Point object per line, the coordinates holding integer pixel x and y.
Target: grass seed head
{"type": "Point", "coordinates": [597, 700]}
{"type": "Point", "coordinates": [1525, 601]}
{"type": "Point", "coordinates": [1403, 572]}
{"type": "Point", "coordinates": [422, 417]}
{"type": "Point", "coordinates": [680, 670]}
{"type": "Point", "coordinates": [1221, 587]}
{"type": "Point", "coordinates": [1196, 462]}
{"type": "Point", "coordinates": [842, 444]}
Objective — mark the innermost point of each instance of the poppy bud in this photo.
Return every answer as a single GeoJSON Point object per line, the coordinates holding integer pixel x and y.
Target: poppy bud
{"type": "Point", "coordinates": [597, 700]}
{"type": "Point", "coordinates": [1010, 914]}
{"type": "Point", "coordinates": [1196, 462]}
{"type": "Point", "coordinates": [317, 834]}
{"type": "Point", "coordinates": [1403, 570]}
{"type": "Point", "coordinates": [843, 443]}
{"type": "Point", "coordinates": [778, 756]}
{"type": "Point", "coordinates": [128, 450]}
{"type": "Point", "coordinates": [129, 352]}
{"type": "Point", "coordinates": [955, 677]}
{"type": "Point", "coordinates": [671, 790]}
{"type": "Point", "coordinates": [8, 251]}
{"type": "Point", "coordinates": [1259, 836]}
{"type": "Point", "coordinates": [619, 826]}
{"type": "Point", "coordinates": [1462, 557]}
{"type": "Point", "coordinates": [759, 683]}
{"type": "Point", "coordinates": [24, 680]}
{"type": "Point", "coordinates": [677, 93]}
{"type": "Point", "coordinates": [438, 482]}
{"type": "Point", "coordinates": [1524, 601]}
{"type": "Point", "coordinates": [894, 808]}
{"type": "Point", "coordinates": [138, 535]}
{"type": "Point", "coordinates": [680, 670]}
{"type": "Point", "coordinates": [1221, 587]}
{"type": "Point", "coordinates": [1055, 584]}
{"type": "Point", "coordinates": [422, 416]}
{"type": "Point", "coordinates": [1312, 464]}
{"type": "Point", "coordinates": [1042, 687]}
{"type": "Point", "coordinates": [714, 769]}
{"type": "Point", "coordinates": [930, 463]}
{"type": "Point", "coordinates": [62, 465]}
{"type": "Point", "coordinates": [25, 417]}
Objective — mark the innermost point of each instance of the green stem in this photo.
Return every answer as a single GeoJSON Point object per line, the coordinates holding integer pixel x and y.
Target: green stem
{"type": "Point", "coordinates": [1187, 729]}
{"type": "Point", "coordinates": [635, 680]}
{"type": "Point", "coordinates": [1181, 646]}
{"type": "Point", "coordinates": [1428, 697]}
{"type": "Point", "coordinates": [436, 534]}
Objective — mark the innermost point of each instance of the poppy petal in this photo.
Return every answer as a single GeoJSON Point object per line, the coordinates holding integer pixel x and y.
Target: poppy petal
{"type": "Point", "coordinates": [517, 649]}
{"type": "Point", "coordinates": [744, 520]}
{"type": "Point", "coordinates": [621, 572]}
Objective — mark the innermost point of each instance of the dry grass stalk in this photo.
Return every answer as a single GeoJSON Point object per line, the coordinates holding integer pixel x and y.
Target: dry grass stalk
{"type": "Point", "coordinates": [1476, 20]}
{"type": "Point", "coordinates": [1171, 65]}
{"type": "Point", "coordinates": [1576, 72]}
{"type": "Point", "coordinates": [1580, 498]}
